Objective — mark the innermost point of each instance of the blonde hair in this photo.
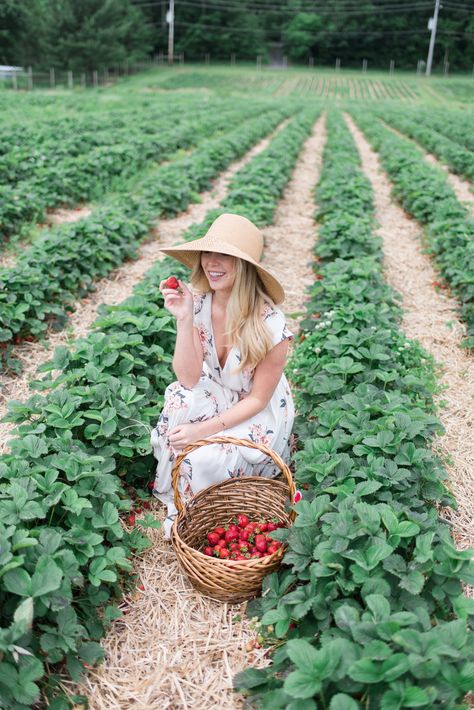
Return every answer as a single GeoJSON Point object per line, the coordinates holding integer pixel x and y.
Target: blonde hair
{"type": "Point", "coordinates": [245, 327]}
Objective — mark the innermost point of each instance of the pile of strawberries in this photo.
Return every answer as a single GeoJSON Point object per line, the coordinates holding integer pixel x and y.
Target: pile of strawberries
{"type": "Point", "coordinates": [242, 539]}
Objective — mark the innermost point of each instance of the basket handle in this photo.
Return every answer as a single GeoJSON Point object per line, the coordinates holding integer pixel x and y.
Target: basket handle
{"type": "Point", "coordinates": [228, 440]}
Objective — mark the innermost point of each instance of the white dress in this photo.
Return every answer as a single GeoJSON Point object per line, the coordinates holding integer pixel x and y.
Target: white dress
{"type": "Point", "coordinates": [217, 390]}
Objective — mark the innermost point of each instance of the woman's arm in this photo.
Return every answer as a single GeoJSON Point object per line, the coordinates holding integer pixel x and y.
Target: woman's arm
{"type": "Point", "coordinates": [188, 353]}
{"type": "Point", "coordinates": [266, 377]}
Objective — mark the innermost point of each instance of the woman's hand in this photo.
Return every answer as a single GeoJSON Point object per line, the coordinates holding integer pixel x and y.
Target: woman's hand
{"type": "Point", "coordinates": [179, 302]}
{"type": "Point", "coordinates": [184, 434]}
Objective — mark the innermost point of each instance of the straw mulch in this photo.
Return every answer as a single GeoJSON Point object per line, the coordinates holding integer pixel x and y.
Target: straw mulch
{"type": "Point", "coordinates": [114, 289]}
{"type": "Point", "coordinates": [176, 648]}
{"type": "Point", "coordinates": [430, 316]}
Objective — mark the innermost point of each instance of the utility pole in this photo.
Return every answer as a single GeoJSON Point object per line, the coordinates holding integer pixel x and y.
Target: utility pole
{"type": "Point", "coordinates": [432, 26]}
{"type": "Point", "coordinates": [170, 21]}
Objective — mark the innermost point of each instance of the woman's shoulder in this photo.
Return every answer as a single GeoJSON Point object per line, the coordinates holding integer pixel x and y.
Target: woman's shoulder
{"type": "Point", "coordinates": [275, 321]}
{"type": "Point", "coordinates": [271, 313]}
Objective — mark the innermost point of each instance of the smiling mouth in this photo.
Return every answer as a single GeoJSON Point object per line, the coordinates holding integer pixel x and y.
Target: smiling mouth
{"type": "Point", "coordinates": [216, 275]}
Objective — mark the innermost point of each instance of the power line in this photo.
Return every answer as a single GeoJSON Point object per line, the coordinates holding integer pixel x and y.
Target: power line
{"type": "Point", "coordinates": [314, 8]}
{"type": "Point", "coordinates": [343, 33]}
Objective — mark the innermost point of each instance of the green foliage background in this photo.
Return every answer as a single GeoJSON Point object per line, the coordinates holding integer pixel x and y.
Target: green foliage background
{"type": "Point", "coordinates": [91, 34]}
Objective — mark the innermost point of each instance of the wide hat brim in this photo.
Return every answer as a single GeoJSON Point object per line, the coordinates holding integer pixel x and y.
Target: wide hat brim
{"type": "Point", "coordinates": [188, 254]}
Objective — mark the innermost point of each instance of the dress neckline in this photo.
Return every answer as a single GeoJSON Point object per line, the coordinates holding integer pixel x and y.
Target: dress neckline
{"type": "Point", "coordinates": [214, 341]}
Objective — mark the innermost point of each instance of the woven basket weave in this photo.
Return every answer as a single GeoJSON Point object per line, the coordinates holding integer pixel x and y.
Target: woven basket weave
{"type": "Point", "coordinates": [229, 580]}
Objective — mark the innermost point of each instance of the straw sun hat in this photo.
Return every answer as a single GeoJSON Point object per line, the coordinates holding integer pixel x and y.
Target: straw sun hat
{"type": "Point", "coordinates": [234, 235]}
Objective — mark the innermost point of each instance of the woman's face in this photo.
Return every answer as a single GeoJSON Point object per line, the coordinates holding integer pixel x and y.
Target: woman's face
{"type": "Point", "coordinates": [219, 270]}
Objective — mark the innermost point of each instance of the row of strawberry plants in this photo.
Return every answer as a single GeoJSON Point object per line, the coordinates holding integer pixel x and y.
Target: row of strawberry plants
{"type": "Point", "coordinates": [40, 148]}
{"type": "Point", "coordinates": [105, 167]}
{"type": "Point", "coordinates": [426, 194]}
{"type": "Point", "coordinates": [367, 611]}
{"type": "Point", "coordinates": [453, 124]}
{"type": "Point", "coordinates": [21, 130]}
{"type": "Point", "coordinates": [62, 545]}
{"type": "Point", "coordinates": [63, 263]}
{"type": "Point", "coordinates": [457, 157]}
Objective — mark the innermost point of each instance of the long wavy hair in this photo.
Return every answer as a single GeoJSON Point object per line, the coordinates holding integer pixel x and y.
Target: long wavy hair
{"type": "Point", "coordinates": [245, 327]}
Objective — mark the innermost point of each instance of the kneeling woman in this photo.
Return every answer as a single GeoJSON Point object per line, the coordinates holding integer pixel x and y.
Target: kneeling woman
{"type": "Point", "coordinates": [231, 348]}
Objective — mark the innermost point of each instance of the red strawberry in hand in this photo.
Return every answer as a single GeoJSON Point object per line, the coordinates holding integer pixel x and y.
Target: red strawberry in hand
{"type": "Point", "coordinates": [172, 282]}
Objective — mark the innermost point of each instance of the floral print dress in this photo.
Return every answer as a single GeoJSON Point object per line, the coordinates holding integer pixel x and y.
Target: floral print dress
{"type": "Point", "coordinates": [217, 390]}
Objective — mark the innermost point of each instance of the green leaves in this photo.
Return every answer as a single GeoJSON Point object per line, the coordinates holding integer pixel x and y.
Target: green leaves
{"type": "Point", "coordinates": [46, 578]}
{"type": "Point", "coordinates": [312, 667]}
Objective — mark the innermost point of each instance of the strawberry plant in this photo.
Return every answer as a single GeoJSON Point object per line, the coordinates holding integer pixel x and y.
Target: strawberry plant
{"type": "Point", "coordinates": [368, 610]}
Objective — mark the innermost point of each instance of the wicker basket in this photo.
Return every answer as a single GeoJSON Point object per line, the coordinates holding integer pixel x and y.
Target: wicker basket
{"type": "Point", "coordinates": [229, 580]}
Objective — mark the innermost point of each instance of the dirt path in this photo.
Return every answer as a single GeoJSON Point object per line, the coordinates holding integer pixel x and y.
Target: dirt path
{"type": "Point", "coordinates": [176, 649]}
{"type": "Point", "coordinates": [431, 318]}
{"type": "Point", "coordinates": [118, 286]}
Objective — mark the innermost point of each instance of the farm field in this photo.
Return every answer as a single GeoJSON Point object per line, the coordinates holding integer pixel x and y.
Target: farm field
{"type": "Point", "coordinates": [362, 186]}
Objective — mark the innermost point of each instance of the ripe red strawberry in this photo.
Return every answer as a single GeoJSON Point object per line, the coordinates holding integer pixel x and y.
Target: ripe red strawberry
{"type": "Point", "coordinates": [263, 527]}
{"type": "Point", "coordinates": [234, 547]}
{"type": "Point", "coordinates": [141, 587]}
{"type": "Point", "coordinates": [261, 543]}
{"type": "Point", "coordinates": [150, 485]}
{"type": "Point", "coordinates": [138, 511]}
{"type": "Point", "coordinates": [254, 555]}
{"type": "Point", "coordinates": [220, 531]}
{"type": "Point", "coordinates": [213, 538]}
{"type": "Point", "coordinates": [271, 526]}
{"type": "Point", "coordinates": [271, 549]}
{"type": "Point", "coordinates": [221, 543]}
{"type": "Point", "coordinates": [208, 551]}
{"type": "Point", "coordinates": [231, 535]}
{"type": "Point", "coordinates": [242, 521]}
{"type": "Point", "coordinates": [131, 519]}
{"type": "Point", "coordinates": [224, 553]}
{"type": "Point", "coordinates": [146, 504]}
{"type": "Point", "coordinates": [244, 535]}
{"type": "Point", "coordinates": [172, 282]}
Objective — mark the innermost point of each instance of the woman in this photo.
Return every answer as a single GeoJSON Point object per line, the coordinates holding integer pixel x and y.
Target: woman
{"type": "Point", "coordinates": [231, 348]}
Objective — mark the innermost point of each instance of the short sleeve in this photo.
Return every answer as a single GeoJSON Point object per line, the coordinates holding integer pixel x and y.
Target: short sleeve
{"type": "Point", "coordinates": [276, 324]}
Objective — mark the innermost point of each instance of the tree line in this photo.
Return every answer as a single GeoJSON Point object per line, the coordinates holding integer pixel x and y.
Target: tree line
{"type": "Point", "coordinates": [90, 34]}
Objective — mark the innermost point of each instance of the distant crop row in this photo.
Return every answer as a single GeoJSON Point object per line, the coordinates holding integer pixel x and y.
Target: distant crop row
{"type": "Point", "coordinates": [426, 194]}
{"type": "Point", "coordinates": [459, 158]}
{"type": "Point", "coordinates": [64, 549]}
{"type": "Point", "coordinates": [88, 176]}
{"type": "Point", "coordinates": [368, 610]}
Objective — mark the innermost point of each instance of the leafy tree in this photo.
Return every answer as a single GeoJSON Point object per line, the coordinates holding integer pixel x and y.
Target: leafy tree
{"type": "Point", "coordinates": [90, 34]}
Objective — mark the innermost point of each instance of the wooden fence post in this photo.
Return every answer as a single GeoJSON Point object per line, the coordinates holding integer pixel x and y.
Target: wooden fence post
{"type": "Point", "coordinates": [30, 78]}
{"type": "Point", "coordinates": [392, 66]}
{"type": "Point", "coordinates": [70, 80]}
